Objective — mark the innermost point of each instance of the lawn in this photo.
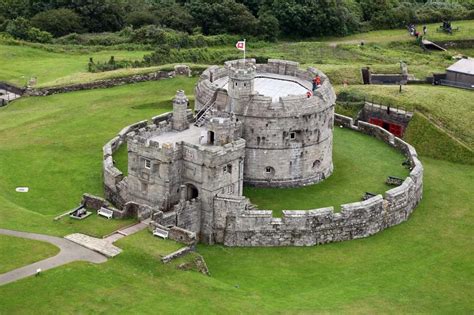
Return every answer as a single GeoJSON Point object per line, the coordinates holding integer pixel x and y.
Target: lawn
{"type": "Point", "coordinates": [53, 145]}
{"type": "Point", "coordinates": [20, 63]}
{"type": "Point", "coordinates": [17, 252]}
{"type": "Point", "coordinates": [421, 266]}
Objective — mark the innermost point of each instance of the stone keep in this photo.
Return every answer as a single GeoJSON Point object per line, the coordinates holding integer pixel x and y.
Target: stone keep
{"type": "Point", "coordinates": [288, 136]}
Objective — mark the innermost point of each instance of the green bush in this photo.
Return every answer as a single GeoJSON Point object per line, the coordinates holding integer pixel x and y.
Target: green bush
{"type": "Point", "coordinates": [39, 36]}
{"type": "Point", "coordinates": [58, 22]}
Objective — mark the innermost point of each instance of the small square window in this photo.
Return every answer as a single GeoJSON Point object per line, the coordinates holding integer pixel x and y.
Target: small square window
{"type": "Point", "coordinates": [268, 169]}
{"type": "Point", "coordinates": [292, 135]}
{"type": "Point", "coordinates": [147, 163]}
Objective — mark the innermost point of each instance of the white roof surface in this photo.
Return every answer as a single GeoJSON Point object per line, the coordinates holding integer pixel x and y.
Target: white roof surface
{"type": "Point", "coordinates": [274, 85]}
{"type": "Point", "coordinates": [465, 66]}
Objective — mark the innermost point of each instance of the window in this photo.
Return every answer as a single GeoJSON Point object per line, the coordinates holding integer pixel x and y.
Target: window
{"type": "Point", "coordinates": [227, 168]}
{"type": "Point", "coordinates": [147, 163]}
{"type": "Point", "coordinates": [268, 169]}
{"type": "Point", "coordinates": [292, 135]}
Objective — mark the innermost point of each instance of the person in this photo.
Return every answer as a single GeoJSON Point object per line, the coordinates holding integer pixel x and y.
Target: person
{"type": "Point", "coordinates": [316, 82]}
{"type": "Point", "coordinates": [425, 29]}
{"type": "Point", "coordinates": [308, 94]}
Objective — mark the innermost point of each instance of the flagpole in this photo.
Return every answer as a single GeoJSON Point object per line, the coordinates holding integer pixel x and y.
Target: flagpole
{"type": "Point", "coordinates": [245, 47]}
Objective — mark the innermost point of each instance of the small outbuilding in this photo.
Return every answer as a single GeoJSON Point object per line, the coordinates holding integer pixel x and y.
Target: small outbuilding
{"type": "Point", "coordinates": [461, 73]}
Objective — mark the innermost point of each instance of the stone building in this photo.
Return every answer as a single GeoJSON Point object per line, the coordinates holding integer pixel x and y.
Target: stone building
{"type": "Point", "coordinates": [254, 124]}
{"type": "Point", "coordinates": [288, 134]}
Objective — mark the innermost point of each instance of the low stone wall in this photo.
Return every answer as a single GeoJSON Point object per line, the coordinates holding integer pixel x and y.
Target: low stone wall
{"type": "Point", "coordinates": [319, 226]}
{"type": "Point", "coordinates": [101, 84]}
{"type": "Point", "coordinates": [175, 233]}
{"type": "Point", "coordinates": [94, 202]}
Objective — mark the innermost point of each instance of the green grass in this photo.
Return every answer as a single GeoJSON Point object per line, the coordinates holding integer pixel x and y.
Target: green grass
{"type": "Point", "coordinates": [53, 145]}
{"type": "Point", "coordinates": [466, 31]}
{"type": "Point", "coordinates": [433, 142]}
{"type": "Point", "coordinates": [340, 58]}
{"type": "Point", "coordinates": [421, 266]}
{"type": "Point", "coordinates": [350, 180]}
{"type": "Point", "coordinates": [13, 249]}
{"type": "Point", "coordinates": [20, 63]}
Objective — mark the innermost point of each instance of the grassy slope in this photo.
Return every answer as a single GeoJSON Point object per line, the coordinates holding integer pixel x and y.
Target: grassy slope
{"type": "Point", "coordinates": [341, 58]}
{"type": "Point", "coordinates": [20, 63]}
{"type": "Point", "coordinates": [53, 145]}
{"type": "Point", "coordinates": [433, 142]}
{"type": "Point", "coordinates": [13, 249]}
{"type": "Point", "coordinates": [450, 107]}
{"type": "Point", "coordinates": [421, 266]}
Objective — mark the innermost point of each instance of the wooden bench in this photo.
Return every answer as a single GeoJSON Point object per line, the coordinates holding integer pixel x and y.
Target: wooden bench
{"type": "Point", "coordinates": [105, 213]}
{"type": "Point", "coordinates": [394, 181]}
{"type": "Point", "coordinates": [160, 233]}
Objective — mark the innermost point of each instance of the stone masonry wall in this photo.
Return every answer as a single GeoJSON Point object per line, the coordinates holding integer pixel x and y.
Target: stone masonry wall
{"type": "Point", "coordinates": [319, 226]}
{"type": "Point", "coordinates": [101, 84]}
{"type": "Point", "coordinates": [115, 184]}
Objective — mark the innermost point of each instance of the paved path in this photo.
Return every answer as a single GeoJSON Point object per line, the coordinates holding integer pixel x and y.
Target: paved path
{"type": "Point", "coordinates": [105, 245]}
{"type": "Point", "coordinates": [69, 252]}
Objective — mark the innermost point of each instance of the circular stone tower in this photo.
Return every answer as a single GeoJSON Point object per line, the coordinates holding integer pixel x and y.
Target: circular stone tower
{"type": "Point", "coordinates": [288, 133]}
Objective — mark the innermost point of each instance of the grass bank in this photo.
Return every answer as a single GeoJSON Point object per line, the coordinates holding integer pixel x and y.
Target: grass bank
{"type": "Point", "coordinates": [420, 266]}
{"type": "Point", "coordinates": [17, 252]}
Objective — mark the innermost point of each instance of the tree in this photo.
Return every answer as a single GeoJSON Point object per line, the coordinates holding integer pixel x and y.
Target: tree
{"type": "Point", "coordinates": [140, 18]}
{"type": "Point", "coordinates": [58, 22]}
{"type": "Point", "coordinates": [268, 26]}
{"type": "Point", "coordinates": [225, 16]}
{"type": "Point", "coordinates": [99, 15]}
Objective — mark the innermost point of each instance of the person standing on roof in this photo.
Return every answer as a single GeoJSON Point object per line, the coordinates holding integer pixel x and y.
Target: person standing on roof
{"type": "Point", "coordinates": [316, 82]}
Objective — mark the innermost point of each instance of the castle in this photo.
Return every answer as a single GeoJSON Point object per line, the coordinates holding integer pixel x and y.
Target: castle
{"type": "Point", "coordinates": [255, 124]}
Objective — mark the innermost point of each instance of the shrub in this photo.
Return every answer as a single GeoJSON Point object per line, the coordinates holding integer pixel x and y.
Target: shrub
{"type": "Point", "coordinates": [18, 28]}
{"type": "Point", "coordinates": [58, 22]}
{"type": "Point", "coordinates": [37, 35]}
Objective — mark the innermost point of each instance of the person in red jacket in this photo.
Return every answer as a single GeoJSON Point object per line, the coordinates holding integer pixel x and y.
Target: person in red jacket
{"type": "Point", "coordinates": [316, 82]}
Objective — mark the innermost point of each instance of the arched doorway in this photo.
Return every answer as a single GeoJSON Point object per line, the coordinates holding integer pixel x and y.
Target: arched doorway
{"type": "Point", "coordinates": [191, 192]}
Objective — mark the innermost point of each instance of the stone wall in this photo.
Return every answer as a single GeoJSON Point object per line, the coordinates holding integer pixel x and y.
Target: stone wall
{"type": "Point", "coordinates": [101, 84]}
{"type": "Point", "coordinates": [319, 226]}
{"type": "Point", "coordinates": [175, 233]}
{"type": "Point", "coordinates": [115, 184]}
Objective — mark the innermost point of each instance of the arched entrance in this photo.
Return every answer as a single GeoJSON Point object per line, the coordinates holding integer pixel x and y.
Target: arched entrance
{"type": "Point", "coordinates": [191, 192]}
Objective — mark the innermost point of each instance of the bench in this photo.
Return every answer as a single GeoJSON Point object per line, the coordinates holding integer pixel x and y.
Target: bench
{"type": "Point", "coordinates": [160, 233]}
{"type": "Point", "coordinates": [105, 213]}
{"type": "Point", "coordinates": [394, 181]}
{"type": "Point", "coordinates": [368, 195]}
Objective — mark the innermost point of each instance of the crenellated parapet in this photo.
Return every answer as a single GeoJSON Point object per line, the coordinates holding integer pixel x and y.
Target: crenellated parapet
{"type": "Point", "coordinates": [324, 225]}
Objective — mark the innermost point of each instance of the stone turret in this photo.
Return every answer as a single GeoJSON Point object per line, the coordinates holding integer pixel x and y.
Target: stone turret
{"type": "Point", "coordinates": [221, 131]}
{"type": "Point", "coordinates": [180, 105]}
{"type": "Point", "coordinates": [241, 79]}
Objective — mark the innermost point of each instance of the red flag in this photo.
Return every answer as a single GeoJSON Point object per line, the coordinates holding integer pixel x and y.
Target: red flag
{"type": "Point", "coordinates": [240, 45]}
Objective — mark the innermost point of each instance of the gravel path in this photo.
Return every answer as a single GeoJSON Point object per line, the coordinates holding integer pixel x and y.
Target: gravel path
{"type": "Point", "coordinates": [69, 252]}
